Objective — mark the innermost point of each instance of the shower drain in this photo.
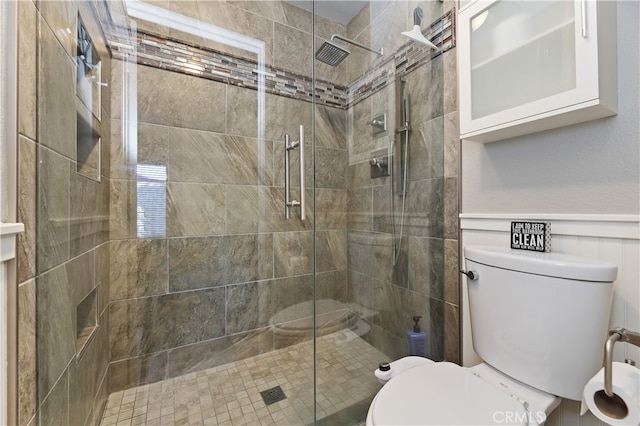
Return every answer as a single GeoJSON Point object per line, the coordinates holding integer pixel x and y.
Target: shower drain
{"type": "Point", "coordinates": [273, 395]}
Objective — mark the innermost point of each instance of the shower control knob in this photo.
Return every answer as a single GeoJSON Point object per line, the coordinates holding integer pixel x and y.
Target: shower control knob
{"type": "Point", "coordinates": [384, 366]}
{"type": "Point", "coordinates": [379, 163]}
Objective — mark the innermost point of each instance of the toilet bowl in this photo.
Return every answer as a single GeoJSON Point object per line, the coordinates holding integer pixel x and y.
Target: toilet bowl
{"type": "Point", "coordinates": [537, 343]}
{"type": "Point", "coordinates": [444, 393]}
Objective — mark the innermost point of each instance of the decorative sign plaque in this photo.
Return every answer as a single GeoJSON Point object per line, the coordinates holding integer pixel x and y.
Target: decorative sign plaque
{"type": "Point", "coordinates": [533, 236]}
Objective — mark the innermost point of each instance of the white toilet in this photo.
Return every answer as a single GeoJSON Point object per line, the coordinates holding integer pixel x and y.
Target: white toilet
{"type": "Point", "coordinates": [539, 321]}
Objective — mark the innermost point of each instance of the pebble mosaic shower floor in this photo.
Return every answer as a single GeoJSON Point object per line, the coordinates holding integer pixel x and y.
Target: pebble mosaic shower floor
{"type": "Point", "coordinates": [230, 394]}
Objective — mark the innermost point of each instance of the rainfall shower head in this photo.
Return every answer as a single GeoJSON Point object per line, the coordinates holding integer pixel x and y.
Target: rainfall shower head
{"type": "Point", "coordinates": [416, 33]}
{"type": "Point", "coordinates": [332, 53]}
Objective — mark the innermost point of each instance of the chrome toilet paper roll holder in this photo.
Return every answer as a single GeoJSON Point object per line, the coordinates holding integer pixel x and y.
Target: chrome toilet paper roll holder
{"type": "Point", "coordinates": [606, 400]}
{"type": "Point", "coordinates": [617, 334]}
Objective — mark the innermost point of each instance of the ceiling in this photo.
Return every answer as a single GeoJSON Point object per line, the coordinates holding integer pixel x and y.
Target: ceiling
{"type": "Point", "coordinates": [341, 11]}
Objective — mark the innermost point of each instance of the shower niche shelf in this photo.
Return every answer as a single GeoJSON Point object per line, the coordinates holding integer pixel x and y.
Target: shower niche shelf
{"type": "Point", "coordinates": [88, 71]}
{"type": "Point", "coordinates": [88, 142]}
{"type": "Point", "coordinates": [88, 105]}
{"type": "Point", "coordinates": [86, 321]}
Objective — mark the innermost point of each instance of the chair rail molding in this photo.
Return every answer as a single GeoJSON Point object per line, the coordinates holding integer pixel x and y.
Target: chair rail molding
{"type": "Point", "coordinates": [588, 225]}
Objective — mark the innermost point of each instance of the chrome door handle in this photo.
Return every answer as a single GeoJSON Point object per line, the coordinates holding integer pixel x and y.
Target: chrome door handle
{"type": "Point", "coordinates": [288, 202]}
{"type": "Point", "coordinates": [287, 178]}
{"type": "Point", "coordinates": [303, 204]}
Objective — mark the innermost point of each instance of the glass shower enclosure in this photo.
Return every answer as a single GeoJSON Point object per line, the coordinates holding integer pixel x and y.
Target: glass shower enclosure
{"type": "Point", "coordinates": [269, 222]}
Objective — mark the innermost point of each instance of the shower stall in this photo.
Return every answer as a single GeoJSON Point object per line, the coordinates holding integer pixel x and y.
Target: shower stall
{"type": "Point", "coordinates": [235, 220]}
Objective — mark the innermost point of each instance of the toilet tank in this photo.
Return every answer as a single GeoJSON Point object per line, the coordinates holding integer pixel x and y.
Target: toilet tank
{"type": "Point", "coordinates": [541, 318]}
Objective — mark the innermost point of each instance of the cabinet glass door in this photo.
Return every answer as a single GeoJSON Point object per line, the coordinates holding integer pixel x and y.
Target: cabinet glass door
{"type": "Point", "coordinates": [528, 66]}
{"type": "Point", "coordinates": [520, 53]}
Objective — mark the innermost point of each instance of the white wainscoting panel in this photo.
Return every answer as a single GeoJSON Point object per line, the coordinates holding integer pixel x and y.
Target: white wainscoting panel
{"type": "Point", "coordinates": [614, 238]}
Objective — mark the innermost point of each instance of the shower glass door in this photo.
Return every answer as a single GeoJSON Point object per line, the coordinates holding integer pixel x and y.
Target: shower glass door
{"type": "Point", "coordinates": [379, 195]}
{"type": "Point", "coordinates": [214, 242]}
{"type": "Point", "coordinates": [212, 275]}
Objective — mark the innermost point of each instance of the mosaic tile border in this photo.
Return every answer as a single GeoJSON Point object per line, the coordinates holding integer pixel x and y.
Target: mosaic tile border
{"type": "Point", "coordinates": [176, 56]}
{"type": "Point", "coordinates": [172, 55]}
{"type": "Point", "coordinates": [409, 57]}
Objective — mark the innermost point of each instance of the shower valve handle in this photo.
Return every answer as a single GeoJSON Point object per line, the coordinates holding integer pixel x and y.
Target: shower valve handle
{"type": "Point", "coordinates": [376, 162]}
{"type": "Point", "coordinates": [380, 124]}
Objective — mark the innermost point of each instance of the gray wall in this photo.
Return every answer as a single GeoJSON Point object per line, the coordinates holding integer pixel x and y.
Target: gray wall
{"type": "Point", "coordinates": [586, 168]}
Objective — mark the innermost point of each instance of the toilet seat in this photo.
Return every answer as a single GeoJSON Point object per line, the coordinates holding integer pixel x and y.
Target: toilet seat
{"type": "Point", "coordinates": [444, 393]}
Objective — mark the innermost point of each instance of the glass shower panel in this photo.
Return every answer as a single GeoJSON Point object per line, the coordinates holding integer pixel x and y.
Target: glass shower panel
{"type": "Point", "coordinates": [379, 253]}
{"type": "Point", "coordinates": [164, 254]}
{"type": "Point", "coordinates": [211, 286]}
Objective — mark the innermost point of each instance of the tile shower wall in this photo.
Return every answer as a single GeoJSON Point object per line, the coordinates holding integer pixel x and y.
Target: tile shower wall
{"type": "Point", "coordinates": [63, 256]}
{"type": "Point", "coordinates": [232, 302]}
{"type": "Point", "coordinates": [150, 277]}
{"type": "Point", "coordinates": [205, 290]}
{"type": "Point", "coordinates": [425, 279]}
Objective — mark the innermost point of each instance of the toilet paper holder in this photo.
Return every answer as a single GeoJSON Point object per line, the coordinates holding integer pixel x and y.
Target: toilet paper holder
{"type": "Point", "coordinates": [617, 334]}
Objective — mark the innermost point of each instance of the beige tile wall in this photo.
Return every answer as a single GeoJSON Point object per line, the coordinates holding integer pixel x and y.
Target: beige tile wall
{"type": "Point", "coordinates": [425, 279]}
{"type": "Point", "coordinates": [218, 205]}
{"type": "Point", "coordinates": [227, 244]}
{"type": "Point", "coordinates": [452, 346]}
{"type": "Point", "coordinates": [61, 255]}
{"type": "Point", "coordinates": [229, 261]}
{"type": "Point", "coordinates": [227, 249]}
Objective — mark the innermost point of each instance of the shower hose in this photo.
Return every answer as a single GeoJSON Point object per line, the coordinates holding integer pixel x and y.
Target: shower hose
{"type": "Point", "coordinates": [397, 243]}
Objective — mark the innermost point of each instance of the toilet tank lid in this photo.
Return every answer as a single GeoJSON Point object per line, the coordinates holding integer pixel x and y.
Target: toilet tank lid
{"type": "Point", "coordinates": [555, 265]}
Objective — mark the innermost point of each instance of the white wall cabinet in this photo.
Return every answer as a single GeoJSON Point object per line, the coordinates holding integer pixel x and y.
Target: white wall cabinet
{"type": "Point", "coordinates": [528, 66]}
